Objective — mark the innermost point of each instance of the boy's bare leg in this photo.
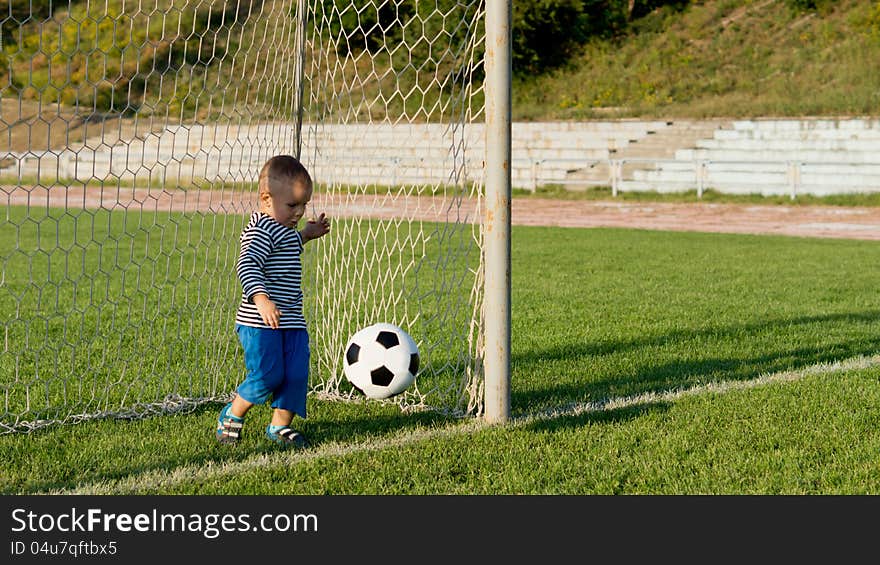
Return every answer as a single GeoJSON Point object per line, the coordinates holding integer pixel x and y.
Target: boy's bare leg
{"type": "Point", "coordinates": [281, 417]}
{"type": "Point", "coordinates": [240, 406]}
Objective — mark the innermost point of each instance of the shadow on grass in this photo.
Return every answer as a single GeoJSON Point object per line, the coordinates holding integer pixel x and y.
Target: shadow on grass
{"type": "Point", "coordinates": [677, 374]}
{"type": "Point", "coordinates": [617, 415]}
{"type": "Point", "coordinates": [62, 457]}
{"type": "Point", "coordinates": [606, 348]}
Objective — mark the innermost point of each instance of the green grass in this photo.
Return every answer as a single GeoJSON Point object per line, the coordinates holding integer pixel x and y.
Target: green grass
{"type": "Point", "coordinates": [558, 192]}
{"type": "Point", "coordinates": [86, 292]}
{"type": "Point", "coordinates": [597, 314]}
{"type": "Point", "coordinates": [88, 295]}
{"type": "Point", "coordinates": [785, 439]}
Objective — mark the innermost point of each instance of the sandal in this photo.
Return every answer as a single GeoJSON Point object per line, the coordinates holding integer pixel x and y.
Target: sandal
{"type": "Point", "coordinates": [286, 436]}
{"type": "Point", "coordinates": [228, 426]}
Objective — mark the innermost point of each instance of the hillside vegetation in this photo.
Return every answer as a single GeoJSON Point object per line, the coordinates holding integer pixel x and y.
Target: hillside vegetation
{"type": "Point", "coordinates": [573, 59]}
{"type": "Point", "coordinates": [169, 57]}
{"type": "Point", "coordinates": [721, 58]}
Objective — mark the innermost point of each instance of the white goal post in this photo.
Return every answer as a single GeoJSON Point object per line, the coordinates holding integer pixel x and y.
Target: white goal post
{"type": "Point", "coordinates": [131, 135]}
{"type": "Point", "coordinates": [497, 221]}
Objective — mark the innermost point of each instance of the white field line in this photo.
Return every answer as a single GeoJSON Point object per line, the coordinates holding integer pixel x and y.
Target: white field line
{"type": "Point", "coordinates": [157, 480]}
{"type": "Point", "coordinates": [574, 409]}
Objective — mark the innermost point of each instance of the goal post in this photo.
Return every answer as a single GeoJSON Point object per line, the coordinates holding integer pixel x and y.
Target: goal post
{"type": "Point", "coordinates": [131, 137]}
{"type": "Point", "coordinates": [497, 219]}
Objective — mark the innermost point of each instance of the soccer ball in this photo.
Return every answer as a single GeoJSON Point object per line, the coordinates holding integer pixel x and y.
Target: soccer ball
{"type": "Point", "coordinates": [381, 360]}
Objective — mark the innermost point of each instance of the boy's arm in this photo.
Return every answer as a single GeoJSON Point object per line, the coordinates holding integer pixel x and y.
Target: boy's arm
{"type": "Point", "coordinates": [269, 312]}
{"type": "Point", "coordinates": [256, 245]}
{"type": "Point", "coordinates": [315, 229]}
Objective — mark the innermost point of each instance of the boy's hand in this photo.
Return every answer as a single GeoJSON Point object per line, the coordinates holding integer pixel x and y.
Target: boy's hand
{"type": "Point", "coordinates": [270, 313]}
{"type": "Point", "coordinates": [315, 228]}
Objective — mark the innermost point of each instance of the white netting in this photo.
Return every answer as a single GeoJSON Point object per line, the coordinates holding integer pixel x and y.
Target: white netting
{"type": "Point", "coordinates": [132, 135]}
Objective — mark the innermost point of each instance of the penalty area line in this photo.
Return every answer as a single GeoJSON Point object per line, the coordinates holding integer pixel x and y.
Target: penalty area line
{"type": "Point", "coordinates": [719, 387]}
{"type": "Point", "coordinates": [154, 481]}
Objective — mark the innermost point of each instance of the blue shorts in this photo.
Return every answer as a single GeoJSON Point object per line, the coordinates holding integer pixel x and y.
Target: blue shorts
{"type": "Point", "coordinates": [277, 363]}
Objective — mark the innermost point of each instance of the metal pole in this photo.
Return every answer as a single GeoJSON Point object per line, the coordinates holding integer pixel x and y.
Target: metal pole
{"type": "Point", "coordinates": [299, 48]}
{"type": "Point", "coordinates": [616, 167]}
{"type": "Point", "coordinates": [701, 177]}
{"type": "Point", "coordinates": [497, 214]}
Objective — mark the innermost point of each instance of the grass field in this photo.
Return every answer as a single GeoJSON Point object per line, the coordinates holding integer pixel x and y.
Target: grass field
{"type": "Point", "coordinates": [643, 362]}
{"type": "Point", "coordinates": [84, 293]}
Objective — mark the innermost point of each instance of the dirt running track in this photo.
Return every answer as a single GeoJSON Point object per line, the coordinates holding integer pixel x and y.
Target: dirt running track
{"type": "Point", "coordinates": [804, 221]}
{"type": "Point", "coordinates": [790, 220]}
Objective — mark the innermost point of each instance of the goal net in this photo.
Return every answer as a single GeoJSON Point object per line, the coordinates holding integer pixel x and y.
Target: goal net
{"type": "Point", "coordinates": [133, 132]}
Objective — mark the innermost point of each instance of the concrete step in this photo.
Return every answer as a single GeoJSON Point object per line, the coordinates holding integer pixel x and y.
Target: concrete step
{"type": "Point", "coordinates": [756, 155]}
{"type": "Point", "coordinates": [797, 135]}
{"type": "Point", "coordinates": [664, 143]}
{"type": "Point", "coordinates": [771, 177]}
{"type": "Point", "coordinates": [771, 166]}
{"type": "Point", "coordinates": [828, 145]}
{"type": "Point", "coordinates": [665, 176]}
{"type": "Point", "coordinates": [806, 124]}
{"type": "Point", "coordinates": [834, 154]}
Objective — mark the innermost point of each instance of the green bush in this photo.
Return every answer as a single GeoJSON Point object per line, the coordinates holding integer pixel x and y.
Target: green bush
{"type": "Point", "coordinates": [642, 8]}
{"type": "Point", "coordinates": [810, 5]}
{"type": "Point", "coordinates": [544, 32]}
{"type": "Point", "coordinates": [19, 12]}
{"type": "Point", "coordinates": [362, 25]}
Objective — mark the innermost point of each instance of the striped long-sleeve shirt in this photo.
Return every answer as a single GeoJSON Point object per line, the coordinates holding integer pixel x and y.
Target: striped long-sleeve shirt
{"type": "Point", "coordinates": [269, 262]}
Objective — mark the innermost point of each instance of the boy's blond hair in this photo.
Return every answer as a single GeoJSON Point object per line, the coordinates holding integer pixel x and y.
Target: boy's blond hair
{"type": "Point", "coordinates": [283, 167]}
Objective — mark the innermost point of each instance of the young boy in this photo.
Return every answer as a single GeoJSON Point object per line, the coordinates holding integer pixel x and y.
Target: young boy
{"type": "Point", "coordinates": [269, 320]}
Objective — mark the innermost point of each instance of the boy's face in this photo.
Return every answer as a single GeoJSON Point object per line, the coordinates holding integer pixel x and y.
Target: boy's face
{"type": "Point", "coordinates": [286, 200]}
